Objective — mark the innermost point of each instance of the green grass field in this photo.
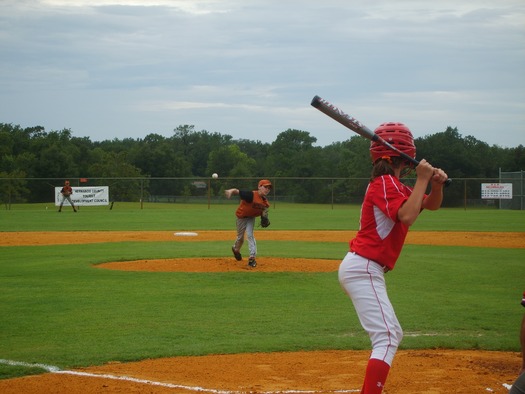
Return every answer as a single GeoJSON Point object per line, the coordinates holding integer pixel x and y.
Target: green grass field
{"type": "Point", "coordinates": [56, 308]}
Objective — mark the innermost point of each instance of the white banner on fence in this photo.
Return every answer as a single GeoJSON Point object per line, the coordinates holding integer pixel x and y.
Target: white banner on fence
{"type": "Point", "coordinates": [85, 196]}
{"type": "Point", "coordinates": [496, 191]}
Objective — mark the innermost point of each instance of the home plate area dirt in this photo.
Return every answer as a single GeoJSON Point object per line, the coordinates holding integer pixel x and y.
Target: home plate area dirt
{"type": "Point", "coordinates": [430, 371]}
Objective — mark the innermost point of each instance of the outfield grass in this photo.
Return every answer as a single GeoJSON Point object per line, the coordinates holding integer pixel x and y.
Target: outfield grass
{"type": "Point", "coordinates": [57, 309]}
{"type": "Point", "coordinates": [284, 216]}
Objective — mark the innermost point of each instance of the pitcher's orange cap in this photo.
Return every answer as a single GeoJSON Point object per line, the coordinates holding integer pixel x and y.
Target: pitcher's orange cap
{"type": "Point", "coordinates": [265, 182]}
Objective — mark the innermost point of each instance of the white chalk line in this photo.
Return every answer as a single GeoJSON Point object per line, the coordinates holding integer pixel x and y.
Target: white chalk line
{"type": "Point", "coordinates": [57, 370]}
{"type": "Point", "coordinates": [49, 368]}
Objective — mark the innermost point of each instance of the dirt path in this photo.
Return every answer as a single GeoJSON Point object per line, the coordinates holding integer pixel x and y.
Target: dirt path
{"type": "Point", "coordinates": [435, 371]}
{"type": "Point", "coordinates": [475, 239]}
{"type": "Point", "coordinates": [421, 371]}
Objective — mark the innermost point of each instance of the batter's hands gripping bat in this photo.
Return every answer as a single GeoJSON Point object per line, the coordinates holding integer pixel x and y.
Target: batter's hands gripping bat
{"type": "Point", "coordinates": [354, 125]}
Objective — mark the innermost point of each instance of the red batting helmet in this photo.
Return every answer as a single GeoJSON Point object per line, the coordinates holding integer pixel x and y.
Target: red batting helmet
{"type": "Point", "coordinates": [396, 134]}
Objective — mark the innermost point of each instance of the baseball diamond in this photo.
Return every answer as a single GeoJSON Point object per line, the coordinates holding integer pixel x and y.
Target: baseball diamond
{"type": "Point", "coordinates": [433, 371]}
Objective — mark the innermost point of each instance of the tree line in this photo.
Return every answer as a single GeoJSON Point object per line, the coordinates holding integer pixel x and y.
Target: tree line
{"type": "Point", "coordinates": [34, 153]}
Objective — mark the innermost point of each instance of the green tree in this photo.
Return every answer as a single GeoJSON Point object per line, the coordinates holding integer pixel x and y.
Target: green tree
{"type": "Point", "coordinates": [350, 159]}
{"type": "Point", "coordinates": [196, 146]}
{"type": "Point", "coordinates": [287, 153]}
{"type": "Point", "coordinates": [158, 156]}
{"type": "Point", "coordinates": [115, 165]}
{"type": "Point", "coordinates": [516, 159]}
{"type": "Point", "coordinates": [258, 151]}
{"type": "Point", "coordinates": [292, 154]}
{"type": "Point", "coordinates": [13, 187]}
{"type": "Point", "coordinates": [229, 161]}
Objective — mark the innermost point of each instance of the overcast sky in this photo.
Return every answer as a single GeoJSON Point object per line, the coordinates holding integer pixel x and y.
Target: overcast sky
{"type": "Point", "coordinates": [249, 68]}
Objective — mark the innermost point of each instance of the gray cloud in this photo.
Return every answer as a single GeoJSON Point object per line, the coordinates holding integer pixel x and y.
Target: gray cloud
{"type": "Point", "coordinates": [118, 69]}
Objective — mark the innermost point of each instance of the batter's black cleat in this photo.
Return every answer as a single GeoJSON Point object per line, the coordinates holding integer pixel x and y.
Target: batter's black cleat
{"type": "Point", "coordinates": [236, 254]}
{"type": "Point", "coordinates": [251, 262]}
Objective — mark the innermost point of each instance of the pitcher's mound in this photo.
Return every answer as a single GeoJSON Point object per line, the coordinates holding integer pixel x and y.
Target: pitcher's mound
{"type": "Point", "coordinates": [224, 264]}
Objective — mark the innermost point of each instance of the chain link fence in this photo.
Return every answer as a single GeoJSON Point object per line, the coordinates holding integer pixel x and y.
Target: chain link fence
{"type": "Point", "coordinates": [518, 199]}
{"type": "Point", "coordinates": [463, 192]}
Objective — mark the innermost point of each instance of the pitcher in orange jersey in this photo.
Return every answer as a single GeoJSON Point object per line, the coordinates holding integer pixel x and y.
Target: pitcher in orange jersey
{"type": "Point", "coordinates": [253, 204]}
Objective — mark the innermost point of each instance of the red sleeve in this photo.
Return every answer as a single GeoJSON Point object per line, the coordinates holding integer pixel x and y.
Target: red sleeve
{"type": "Point", "coordinates": [388, 194]}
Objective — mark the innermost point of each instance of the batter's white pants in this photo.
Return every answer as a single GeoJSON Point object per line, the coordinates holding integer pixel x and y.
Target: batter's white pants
{"type": "Point", "coordinates": [246, 226]}
{"type": "Point", "coordinates": [364, 282]}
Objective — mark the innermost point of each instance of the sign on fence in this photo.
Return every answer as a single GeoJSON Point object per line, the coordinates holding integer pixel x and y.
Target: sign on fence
{"type": "Point", "coordinates": [85, 196]}
{"type": "Point", "coordinates": [496, 191]}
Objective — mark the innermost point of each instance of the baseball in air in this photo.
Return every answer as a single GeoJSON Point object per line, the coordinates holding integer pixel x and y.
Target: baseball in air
{"type": "Point", "coordinates": [214, 175]}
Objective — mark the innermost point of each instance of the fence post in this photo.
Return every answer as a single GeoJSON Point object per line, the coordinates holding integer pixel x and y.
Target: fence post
{"type": "Point", "coordinates": [465, 193]}
{"type": "Point", "coordinates": [332, 194]}
{"type": "Point", "coordinates": [209, 192]}
{"type": "Point", "coordinates": [274, 188]}
{"type": "Point", "coordinates": [142, 194]}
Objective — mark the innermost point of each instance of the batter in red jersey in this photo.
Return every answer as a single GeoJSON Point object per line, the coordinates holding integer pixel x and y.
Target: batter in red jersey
{"type": "Point", "coordinates": [388, 210]}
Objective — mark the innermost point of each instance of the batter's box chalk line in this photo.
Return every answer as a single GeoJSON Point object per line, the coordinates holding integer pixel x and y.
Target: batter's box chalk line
{"type": "Point", "coordinates": [57, 370]}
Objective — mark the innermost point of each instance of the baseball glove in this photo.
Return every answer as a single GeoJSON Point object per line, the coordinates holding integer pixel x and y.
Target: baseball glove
{"type": "Point", "coordinates": [265, 222]}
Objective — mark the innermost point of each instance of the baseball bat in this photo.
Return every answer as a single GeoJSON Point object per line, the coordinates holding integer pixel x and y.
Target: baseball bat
{"type": "Point", "coordinates": [353, 124]}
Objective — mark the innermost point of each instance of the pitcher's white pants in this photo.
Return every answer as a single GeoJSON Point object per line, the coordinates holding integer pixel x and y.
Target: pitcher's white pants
{"type": "Point", "coordinates": [246, 226]}
{"type": "Point", "coordinates": [364, 282]}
